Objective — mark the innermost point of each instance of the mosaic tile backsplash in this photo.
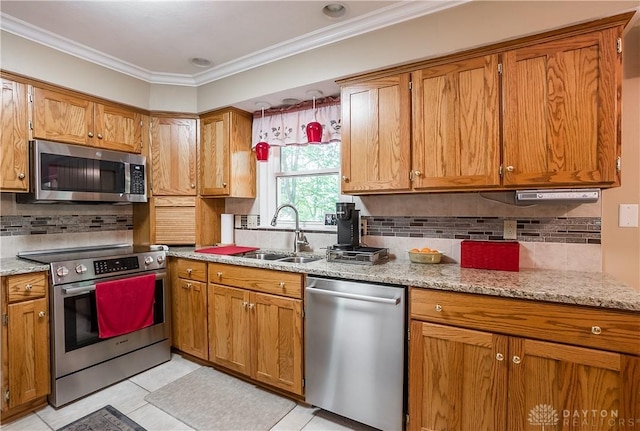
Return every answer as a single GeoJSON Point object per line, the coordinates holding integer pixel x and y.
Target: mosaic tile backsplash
{"type": "Point", "coordinates": [12, 225]}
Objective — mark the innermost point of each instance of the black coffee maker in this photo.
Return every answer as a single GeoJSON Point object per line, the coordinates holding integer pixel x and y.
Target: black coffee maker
{"type": "Point", "coordinates": [348, 220]}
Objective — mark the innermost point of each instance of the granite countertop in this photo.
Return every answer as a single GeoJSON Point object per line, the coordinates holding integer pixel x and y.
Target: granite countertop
{"type": "Point", "coordinates": [566, 287]}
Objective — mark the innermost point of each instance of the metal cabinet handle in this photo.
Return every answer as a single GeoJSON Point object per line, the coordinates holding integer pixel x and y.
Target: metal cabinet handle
{"type": "Point", "coordinates": [189, 286]}
{"type": "Point", "coordinates": [281, 284]}
{"type": "Point", "coordinates": [596, 330]}
{"type": "Point", "coordinates": [224, 184]}
{"type": "Point", "coordinates": [99, 136]}
{"type": "Point", "coordinates": [315, 291]}
{"type": "Point", "coordinates": [251, 306]}
{"type": "Point", "coordinates": [193, 186]}
{"type": "Point", "coordinates": [189, 271]}
{"type": "Point", "coordinates": [219, 274]}
{"type": "Point", "coordinates": [244, 304]}
{"type": "Point", "coordinates": [500, 357]}
{"type": "Point", "coordinates": [21, 176]}
{"type": "Point", "coordinates": [28, 286]}
{"type": "Point", "coordinates": [91, 134]}
{"type": "Point", "coordinates": [438, 308]}
{"type": "Point", "coordinates": [345, 179]}
{"type": "Point", "coordinates": [41, 314]}
{"type": "Point", "coordinates": [516, 359]}
{"type": "Point", "coordinates": [510, 168]}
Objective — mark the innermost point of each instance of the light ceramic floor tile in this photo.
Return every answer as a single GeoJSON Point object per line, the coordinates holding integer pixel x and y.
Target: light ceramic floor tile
{"type": "Point", "coordinates": [163, 374]}
{"type": "Point", "coordinates": [326, 421]}
{"type": "Point", "coordinates": [124, 396]}
{"type": "Point", "coordinates": [296, 419]}
{"type": "Point", "coordinates": [153, 419]}
{"type": "Point", "coordinates": [30, 423]}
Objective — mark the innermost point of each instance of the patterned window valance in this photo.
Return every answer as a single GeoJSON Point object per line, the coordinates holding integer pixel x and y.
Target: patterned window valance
{"type": "Point", "coordinates": [288, 126]}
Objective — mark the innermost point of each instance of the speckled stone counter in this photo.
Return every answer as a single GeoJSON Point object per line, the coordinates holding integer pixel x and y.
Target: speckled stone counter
{"type": "Point", "coordinates": [13, 266]}
{"type": "Point", "coordinates": [567, 287]}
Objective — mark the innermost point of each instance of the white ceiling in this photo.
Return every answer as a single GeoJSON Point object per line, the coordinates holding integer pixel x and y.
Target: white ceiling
{"type": "Point", "coordinates": [154, 40]}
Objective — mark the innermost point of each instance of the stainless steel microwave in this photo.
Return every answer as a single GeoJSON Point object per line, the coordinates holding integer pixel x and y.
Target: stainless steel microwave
{"type": "Point", "coordinates": [65, 172]}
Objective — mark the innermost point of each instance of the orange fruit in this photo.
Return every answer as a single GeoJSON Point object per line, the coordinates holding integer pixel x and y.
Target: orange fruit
{"type": "Point", "coordinates": [415, 250]}
{"type": "Point", "coordinates": [425, 250]}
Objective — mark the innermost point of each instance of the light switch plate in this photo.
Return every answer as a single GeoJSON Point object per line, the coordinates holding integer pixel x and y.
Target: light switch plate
{"type": "Point", "coordinates": [237, 222]}
{"type": "Point", "coordinates": [628, 215]}
{"type": "Point", "coordinates": [252, 221]}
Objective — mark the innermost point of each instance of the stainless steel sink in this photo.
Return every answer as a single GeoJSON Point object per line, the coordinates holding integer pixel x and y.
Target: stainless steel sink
{"type": "Point", "coordinates": [265, 256]}
{"type": "Point", "coordinates": [299, 259]}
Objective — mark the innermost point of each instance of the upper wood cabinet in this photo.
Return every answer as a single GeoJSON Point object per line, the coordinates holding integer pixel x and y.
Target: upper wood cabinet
{"type": "Point", "coordinates": [227, 164]}
{"type": "Point", "coordinates": [456, 139]}
{"type": "Point", "coordinates": [376, 135]}
{"type": "Point", "coordinates": [64, 117]}
{"type": "Point", "coordinates": [14, 176]}
{"type": "Point", "coordinates": [562, 111]}
{"type": "Point", "coordinates": [173, 156]}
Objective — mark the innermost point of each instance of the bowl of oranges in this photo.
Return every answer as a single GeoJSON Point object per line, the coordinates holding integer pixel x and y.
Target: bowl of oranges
{"type": "Point", "coordinates": [424, 255]}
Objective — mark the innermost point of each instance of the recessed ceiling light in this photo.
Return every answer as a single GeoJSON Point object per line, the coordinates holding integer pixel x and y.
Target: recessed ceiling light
{"type": "Point", "coordinates": [334, 10]}
{"type": "Point", "coordinates": [200, 62]}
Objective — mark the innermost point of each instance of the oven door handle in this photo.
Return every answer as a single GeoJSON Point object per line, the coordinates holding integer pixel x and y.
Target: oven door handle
{"type": "Point", "coordinates": [74, 291]}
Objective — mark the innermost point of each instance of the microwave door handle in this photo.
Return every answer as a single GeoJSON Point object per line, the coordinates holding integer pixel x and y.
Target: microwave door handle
{"type": "Point", "coordinates": [75, 291]}
{"type": "Point", "coordinates": [127, 177]}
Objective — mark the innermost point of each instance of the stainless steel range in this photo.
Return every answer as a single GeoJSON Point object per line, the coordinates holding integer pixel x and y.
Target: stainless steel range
{"type": "Point", "coordinates": [84, 360]}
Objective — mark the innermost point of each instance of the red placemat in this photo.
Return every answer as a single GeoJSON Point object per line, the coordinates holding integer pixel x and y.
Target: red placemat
{"type": "Point", "coordinates": [227, 249]}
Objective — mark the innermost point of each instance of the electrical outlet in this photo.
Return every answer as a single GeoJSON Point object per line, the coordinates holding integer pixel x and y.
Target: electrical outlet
{"type": "Point", "coordinates": [510, 227]}
{"type": "Point", "coordinates": [237, 220]}
{"type": "Point", "coordinates": [252, 221]}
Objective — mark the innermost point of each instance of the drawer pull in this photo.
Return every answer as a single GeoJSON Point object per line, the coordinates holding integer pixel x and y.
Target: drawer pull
{"type": "Point", "coordinates": [28, 286]}
{"type": "Point", "coordinates": [516, 359]}
{"type": "Point", "coordinates": [251, 306]}
{"type": "Point", "coordinates": [189, 271]}
{"type": "Point", "coordinates": [219, 274]}
{"type": "Point", "coordinates": [282, 284]}
{"type": "Point", "coordinates": [41, 314]}
{"type": "Point", "coordinates": [438, 308]}
{"type": "Point", "coordinates": [499, 356]}
{"type": "Point", "coordinates": [244, 304]}
{"type": "Point", "coordinates": [596, 330]}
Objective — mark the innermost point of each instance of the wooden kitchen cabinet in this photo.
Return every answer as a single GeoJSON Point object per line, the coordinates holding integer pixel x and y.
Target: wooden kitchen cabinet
{"type": "Point", "coordinates": [173, 156]}
{"type": "Point", "coordinates": [25, 343]}
{"type": "Point", "coordinates": [485, 363]}
{"type": "Point", "coordinates": [456, 133]}
{"type": "Point", "coordinates": [14, 176]}
{"type": "Point", "coordinates": [562, 111]}
{"type": "Point", "coordinates": [227, 164]}
{"type": "Point", "coordinates": [189, 311]}
{"type": "Point", "coordinates": [376, 135]}
{"type": "Point", "coordinates": [254, 331]}
{"type": "Point", "coordinates": [72, 118]}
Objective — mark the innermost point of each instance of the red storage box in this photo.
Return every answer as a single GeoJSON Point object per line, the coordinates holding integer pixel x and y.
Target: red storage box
{"type": "Point", "coordinates": [501, 255]}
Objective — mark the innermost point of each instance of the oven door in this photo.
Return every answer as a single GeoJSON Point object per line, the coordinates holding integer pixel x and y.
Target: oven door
{"type": "Point", "coordinates": [75, 341]}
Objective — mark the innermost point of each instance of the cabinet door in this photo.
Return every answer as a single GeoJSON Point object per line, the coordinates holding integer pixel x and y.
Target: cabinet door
{"type": "Point", "coordinates": [571, 388]}
{"type": "Point", "coordinates": [14, 176]}
{"type": "Point", "coordinates": [376, 135]}
{"type": "Point", "coordinates": [28, 351]}
{"type": "Point", "coordinates": [562, 112]}
{"type": "Point", "coordinates": [229, 337]}
{"type": "Point", "coordinates": [457, 379]}
{"type": "Point", "coordinates": [214, 155]}
{"type": "Point", "coordinates": [456, 110]}
{"type": "Point", "coordinates": [277, 337]}
{"type": "Point", "coordinates": [60, 117]}
{"type": "Point", "coordinates": [191, 326]}
{"type": "Point", "coordinates": [118, 129]}
{"type": "Point", "coordinates": [173, 156]}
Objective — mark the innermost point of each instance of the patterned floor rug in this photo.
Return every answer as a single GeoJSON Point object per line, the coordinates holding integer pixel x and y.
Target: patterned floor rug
{"type": "Point", "coordinates": [207, 399]}
{"type": "Point", "coordinates": [107, 418]}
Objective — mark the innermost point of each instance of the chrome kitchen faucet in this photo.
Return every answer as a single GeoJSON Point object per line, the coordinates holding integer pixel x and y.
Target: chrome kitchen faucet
{"type": "Point", "coordinates": [299, 239]}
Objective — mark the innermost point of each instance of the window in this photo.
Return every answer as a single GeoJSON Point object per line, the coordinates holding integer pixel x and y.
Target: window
{"type": "Point", "coordinates": [308, 177]}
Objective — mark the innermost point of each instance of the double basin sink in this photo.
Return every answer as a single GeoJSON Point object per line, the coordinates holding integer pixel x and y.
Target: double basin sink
{"type": "Point", "coordinates": [281, 257]}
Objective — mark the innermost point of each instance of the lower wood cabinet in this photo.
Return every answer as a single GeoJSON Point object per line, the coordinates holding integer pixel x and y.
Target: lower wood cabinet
{"type": "Point", "coordinates": [253, 331]}
{"type": "Point", "coordinates": [462, 379]}
{"type": "Point", "coordinates": [25, 343]}
{"type": "Point", "coordinates": [189, 311]}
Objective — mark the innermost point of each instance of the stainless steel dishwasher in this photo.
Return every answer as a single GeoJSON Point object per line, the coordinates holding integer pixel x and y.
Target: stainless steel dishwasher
{"type": "Point", "coordinates": [355, 350]}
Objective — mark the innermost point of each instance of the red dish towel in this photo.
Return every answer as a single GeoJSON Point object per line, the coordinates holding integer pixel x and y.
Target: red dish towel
{"type": "Point", "coordinates": [125, 305]}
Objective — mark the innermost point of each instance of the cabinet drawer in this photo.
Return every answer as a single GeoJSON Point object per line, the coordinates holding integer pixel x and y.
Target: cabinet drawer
{"type": "Point", "coordinates": [258, 279]}
{"type": "Point", "coordinates": [26, 286]}
{"type": "Point", "coordinates": [571, 324]}
{"type": "Point", "coordinates": [192, 270]}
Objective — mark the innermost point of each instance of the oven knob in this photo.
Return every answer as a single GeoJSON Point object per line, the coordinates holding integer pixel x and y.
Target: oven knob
{"type": "Point", "coordinates": [81, 269]}
{"type": "Point", "coordinates": [160, 259]}
{"type": "Point", "coordinates": [148, 260]}
{"type": "Point", "coordinates": [62, 271]}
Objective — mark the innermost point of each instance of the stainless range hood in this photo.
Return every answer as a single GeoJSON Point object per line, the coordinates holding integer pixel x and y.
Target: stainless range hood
{"type": "Point", "coordinates": [562, 196]}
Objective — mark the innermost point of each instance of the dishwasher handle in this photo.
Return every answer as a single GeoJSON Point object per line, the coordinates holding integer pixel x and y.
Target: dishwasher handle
{"type": "Point", "coordinates": [315, 291]}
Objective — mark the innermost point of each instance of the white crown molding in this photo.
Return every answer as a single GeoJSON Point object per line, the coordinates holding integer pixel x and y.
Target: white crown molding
{"type": "Point", "coordinates": [393, 14]}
